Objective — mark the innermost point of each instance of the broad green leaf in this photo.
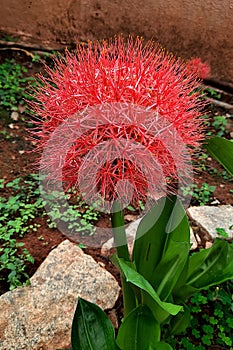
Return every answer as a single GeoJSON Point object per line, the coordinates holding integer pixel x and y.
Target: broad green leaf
{"type": "Point", "coordinates": [221, 150]}
{"type": "Point", "coordinates": [207, 268]}
{"type": "Point", "coordinates": [139, 330]}
{"type": "Point", "coordinates": [182, 293]}
{"type": "Point", "coordinates": [178, 288]}
{"type": "Point", "coordinates": [180, 322]}
{"type": "Point", "coordinates": [211, 266]}
{"type": "Point", "coordinates": [162, 346]}
{"type": "Point", "coordinates": [159, 313]}
{"type": "Point", "coordinates": [138, 280]}
{"type": "Point", "coordinates": [91, 328]}
{"type": "Point", "coordinates": [166, 220]}
{"type": "Point", "coordinates": [151, 237]}
{"type": "Point", "coordinates": [173, 266]}
{"type": "Point", "coordinates": [178, 228]}
{"type": "Point", "coordinates": [168, 271]}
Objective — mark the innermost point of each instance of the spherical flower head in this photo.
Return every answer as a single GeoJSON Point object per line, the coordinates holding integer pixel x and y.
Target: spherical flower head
{"type": "Point", "coordinates": [117, 117]}
{"type": "Point", "coordinates": [202, 69]}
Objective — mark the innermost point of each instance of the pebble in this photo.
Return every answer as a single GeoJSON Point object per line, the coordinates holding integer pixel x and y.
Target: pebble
{"type": "Point", "coordinates": [15, 116]}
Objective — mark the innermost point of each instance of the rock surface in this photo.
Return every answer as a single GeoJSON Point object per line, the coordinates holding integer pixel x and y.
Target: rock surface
{"type": "Point", "coordinates": [39, 316]}
{"type": "Point", "coordinates": [208, 218]}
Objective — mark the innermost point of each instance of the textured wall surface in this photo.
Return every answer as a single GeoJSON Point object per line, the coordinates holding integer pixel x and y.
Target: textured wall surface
{"type": "Point", "coordinates": [186, 27]}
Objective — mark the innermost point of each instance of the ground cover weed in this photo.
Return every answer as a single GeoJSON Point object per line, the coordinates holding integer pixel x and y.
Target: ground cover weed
{"type": "Point", "coordinates": [12, 85]}
{"type": "Point", "coordinates": [200, 195]}
{"type": "Point", "coordinates": [18, 211]}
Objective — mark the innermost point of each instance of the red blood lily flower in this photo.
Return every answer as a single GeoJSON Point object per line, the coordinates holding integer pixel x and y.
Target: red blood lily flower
{"type": "Point", "coordinates": [202, 69]}
{"type": "Point", "coordinates": [116, 118]}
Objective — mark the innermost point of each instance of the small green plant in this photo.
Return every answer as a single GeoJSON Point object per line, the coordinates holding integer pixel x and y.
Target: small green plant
{"type": "Point", "coordinates": [200, 195]}
{"type": "Point", "coordinates": [82, 246]}
{"type": "Point", "coordinates": [78, 217]}
{"type": "Point", "coordinates": [18, 210]}
{"type": "Point", "coordinates": [16, 214]}
{"type": "Point", "coordinates": [141, 206]}
{"type": "Point", "coordinates": [39, 57]}
{"type": "Point", "coordinates": [226, 176]}
{"type": "Point", "coordinates": [202, 159]}
{"type": "Point", "coordinates": [13, 261]}
{"type": "Point", "coordinates": [9, 38]}
{"type": "Point", "coordinates": [219, 123]}
{"type": "Point", "coordinates": [12, 84]}
{"type": "Point", "coordinates": [212, 93]}
{"type": "Point", "coordinates": [36, 58]}
{"type": "Point", "coordinates": [212, 312]}
{"type": "Point", "coordinates": [223, 174]}
{"type": "Point", "coordinates": [211, 321]}
{"type": "Point", "coordinates": [5, 134]}
{"type": "Point", "coordinates": [222, 232]}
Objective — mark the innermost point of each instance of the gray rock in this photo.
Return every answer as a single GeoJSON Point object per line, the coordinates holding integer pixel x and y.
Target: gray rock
{"type": "Point", "coordinates": [39, 316]}
{"type": "Point", "coordinates": [208, 218]}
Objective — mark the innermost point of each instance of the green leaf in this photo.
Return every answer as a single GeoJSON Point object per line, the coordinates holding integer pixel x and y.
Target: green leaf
{"type": "Point", "coordinates": [139, 330]}
{"type": "Point", "coordinates": [161, 346]}
{"type": "Point", "coordinates": [91, 328]}
{"type": "Point", "coordinates": [207, 268]}
{"type": "Point", "coordinates": [180, 322]}
{"type": "Point", "coordinates": [138, 280]}
{"type": "Point", "coordinates": [211, 266]}
{"type": "Point", "coordinates": [169, 269]}
{"type": "Point", "coordinates": [165, 221]}
{"type": "Point", "coordinates": [221, 150]}
{"type": "Point", "coordinates": [221, 231]}
{"type": "Point", "coordinates": [150, 237]}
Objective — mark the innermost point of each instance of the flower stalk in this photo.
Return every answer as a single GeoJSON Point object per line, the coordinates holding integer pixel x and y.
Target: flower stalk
{"type": "Point", "coordinates": [118, 230]}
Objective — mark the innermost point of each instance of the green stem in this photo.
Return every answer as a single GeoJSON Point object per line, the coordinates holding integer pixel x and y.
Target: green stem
{"type": "Point", "coordinates": [119, 234]}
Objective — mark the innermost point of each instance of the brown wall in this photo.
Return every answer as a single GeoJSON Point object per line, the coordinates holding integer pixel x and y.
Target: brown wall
{"type": "Point", "coordinates": [201, 28]}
